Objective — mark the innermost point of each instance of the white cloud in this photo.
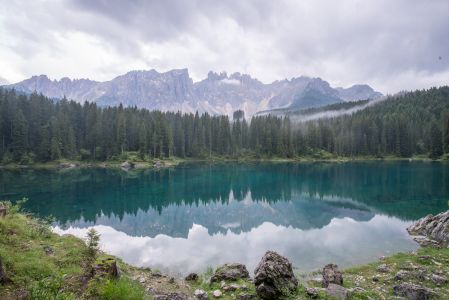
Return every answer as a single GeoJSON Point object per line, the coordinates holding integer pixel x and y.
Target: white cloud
{"type": "Point", "coordinates": [390, 45]}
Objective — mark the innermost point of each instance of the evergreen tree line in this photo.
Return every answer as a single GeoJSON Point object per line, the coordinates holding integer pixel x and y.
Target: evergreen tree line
{"type": "Point", "coordinates": [36, 128]}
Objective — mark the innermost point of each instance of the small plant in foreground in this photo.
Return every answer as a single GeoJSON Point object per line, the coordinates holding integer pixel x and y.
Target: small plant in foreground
{"type": "Point", "coordinates": [93, 240]}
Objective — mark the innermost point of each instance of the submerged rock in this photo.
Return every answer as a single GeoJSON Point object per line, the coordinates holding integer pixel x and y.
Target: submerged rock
{"type": "Point", "coordinates": [413, 291]}
{"type": "Point", "coordinates": [331, 274]}
{"type": "Point", "coordinates": [274, 276]}
{"type": "Point", "coordinates": [127, 165]}
{"type": "Point", "coordinates": [68, 165]}
{"type": "Point", "coordinates": [230, 272]}
{"type": "Point", "coordinates": [337, 291]}
{"type": "Point", "coordinates": [434, 227]}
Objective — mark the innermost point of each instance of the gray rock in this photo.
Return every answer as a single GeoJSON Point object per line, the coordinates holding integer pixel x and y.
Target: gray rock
{"type": "Point", "coordinates": [434, 227]}
{"type": "Point", "coordinates": [413, 291]}
{"type": "Point", "coordinates": [331, 274]}
{"type": "Point", "coordinates": [48, 250]}
{"type": "Point", "coordinates": [200, 294]}
{"type": "Point", "coordinates": [337, 291]}
{"type": "Point", "coordinates": [191, 277]}
{"type": "Point", "coordinates": [274, 276]}
{"type": "Point", "coordinates": [217, 293]}
{"type": "Point", "coordinates": [424, 241]}
{"type": "Point", "coordinates": [246, 296]}
{"type": "Point", "coordinates": [312, 292]}
{"type": "Point", "coordinates": [438, 280]}
{"type": "Point", "coordinates": [231, 287]}
{"type": "Point", "coordinates": [402, 275]}
{"type": "Point", "coordinates": [107, 268]}
{"type": "Point", "coordinates": [383, 268]}
{"type": "Point", "coordinates": [171, 296]}
{"type": "Point", "coordinates": [174, 90]}
{"type": "Point", "coordinates": [230, 272]}
{"type": "Point", "coordinates": [127, 165]}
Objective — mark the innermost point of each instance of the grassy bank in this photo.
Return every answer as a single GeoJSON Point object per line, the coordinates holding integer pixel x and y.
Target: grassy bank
{"type": "Point", "coordinates": [42, 265]}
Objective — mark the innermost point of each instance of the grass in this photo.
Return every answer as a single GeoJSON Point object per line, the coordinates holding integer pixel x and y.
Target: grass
{"type": "Point", "coordinates": [57, 275]}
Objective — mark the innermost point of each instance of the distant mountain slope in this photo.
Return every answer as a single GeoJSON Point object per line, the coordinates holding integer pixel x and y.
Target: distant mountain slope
{"type": "Point", "coordinates": [217, 94]}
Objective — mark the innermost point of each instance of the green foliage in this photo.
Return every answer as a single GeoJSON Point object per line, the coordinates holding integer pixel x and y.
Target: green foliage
{"type": "Point", "coordinates": [121, 289]}
{"type": "Point", "coordinates": [414, 123]}
{"type": "Point", "coordinates": [93, 240]}
{"type": "Point", "coordinates": [51, 287]}
{"type": "Point", "coordinates": [22, 241]}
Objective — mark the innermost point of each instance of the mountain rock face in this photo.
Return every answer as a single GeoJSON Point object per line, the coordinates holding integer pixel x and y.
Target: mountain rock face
{"type": "Point", "coordinates": [217, 94]}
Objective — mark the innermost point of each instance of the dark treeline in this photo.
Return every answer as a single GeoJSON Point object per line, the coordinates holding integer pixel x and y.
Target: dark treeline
{"type": "Point", "coordinates": [35, 128]}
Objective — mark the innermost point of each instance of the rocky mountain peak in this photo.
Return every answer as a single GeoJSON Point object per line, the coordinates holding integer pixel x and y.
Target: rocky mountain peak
{"type": "Point", "coordinates": [174, 90]}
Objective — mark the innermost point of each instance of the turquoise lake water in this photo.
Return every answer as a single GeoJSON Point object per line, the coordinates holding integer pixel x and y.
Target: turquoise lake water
{"type": "Point", "coordinates": [194, 216]}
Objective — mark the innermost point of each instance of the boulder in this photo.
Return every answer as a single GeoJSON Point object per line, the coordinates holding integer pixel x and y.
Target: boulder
{"type": "Point", "coordinates": [274, 276]}
{"type": "Point", "coordinates": [230, 272]}
{"type": "Point", "coordinates": [434, 227]}
{"type": "Point", "coordinates": [127, 165]}
{"type": "Point", "coordinates": [413, 291]}
{"type": "Point", "coordinates": [107, 268]}
{"type": "Point", "coordinates": [337, 291]}
{"type": "Point", "coordinates": [331, 274]}
{"type": "Point", "coordinates": [191, 277]}
{"type": "Point", "coordinates": [200, 294]}
{"type": "Point", "coordinates": [217, 294]}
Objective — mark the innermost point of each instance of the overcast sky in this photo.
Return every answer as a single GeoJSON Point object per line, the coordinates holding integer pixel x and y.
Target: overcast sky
{"type": "Point", "coordinates": [391, 45]}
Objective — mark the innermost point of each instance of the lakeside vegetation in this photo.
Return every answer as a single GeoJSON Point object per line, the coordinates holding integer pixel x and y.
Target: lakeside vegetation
{"type": "Point", "coordinates": [36, 129]}
{"type": "Point", "coordinates": [42, 265]}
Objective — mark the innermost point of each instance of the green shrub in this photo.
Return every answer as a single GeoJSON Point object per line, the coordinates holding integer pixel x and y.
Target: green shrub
{"type": "Point", "coordinates": [50, 288]}
{"type": "Point", "coordinates": [122, 289]}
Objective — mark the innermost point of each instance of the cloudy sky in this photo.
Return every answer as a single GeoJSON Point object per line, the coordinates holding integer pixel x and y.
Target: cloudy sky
{"type": "Point", "coordinates": [391, 45]}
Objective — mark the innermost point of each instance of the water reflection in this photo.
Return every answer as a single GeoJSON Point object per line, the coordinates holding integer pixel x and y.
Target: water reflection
{"type": "Point", "coordinates": [343, 241]}
{"type": "Point", "coordinates": [197, 215]}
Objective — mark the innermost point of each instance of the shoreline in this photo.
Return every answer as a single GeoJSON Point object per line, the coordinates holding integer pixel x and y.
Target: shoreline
{"type": "Point", "coordinates": [175, 161]}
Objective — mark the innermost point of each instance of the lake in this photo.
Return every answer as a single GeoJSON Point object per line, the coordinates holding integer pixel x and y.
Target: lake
{"type": "Point", "coordinates": [196, 216]}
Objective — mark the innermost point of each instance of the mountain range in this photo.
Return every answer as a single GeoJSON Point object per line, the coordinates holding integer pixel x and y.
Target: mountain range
{"type": "Point", "coordinates": [219, 93]}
